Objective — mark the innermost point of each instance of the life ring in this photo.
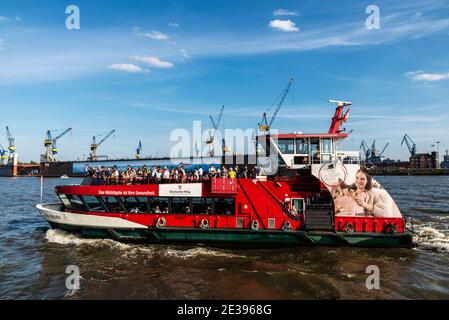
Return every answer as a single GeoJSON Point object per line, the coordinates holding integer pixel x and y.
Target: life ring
{"type": "Point", "coordinates": [204, 224]}
{"type": "Point", "coordinates": [286, 226]}
{"type": "Point", "coordinates": [161, 222]}
{"type": "Point", "coordinates": [349, 227]}
{"type": "Point", "coordinates": [255, 225]}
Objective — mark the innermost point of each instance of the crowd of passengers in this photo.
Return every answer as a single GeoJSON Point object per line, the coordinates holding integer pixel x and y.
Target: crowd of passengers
{"type": "Point", "coordinates": [157, 174]}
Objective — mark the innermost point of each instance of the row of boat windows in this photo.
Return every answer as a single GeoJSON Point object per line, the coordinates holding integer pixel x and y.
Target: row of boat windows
{"type": "Point", "coordinates": [221, 206]}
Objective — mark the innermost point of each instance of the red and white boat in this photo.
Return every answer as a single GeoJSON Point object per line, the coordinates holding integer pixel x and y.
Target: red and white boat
{"type": "Point", "coordinates": [314, 194]}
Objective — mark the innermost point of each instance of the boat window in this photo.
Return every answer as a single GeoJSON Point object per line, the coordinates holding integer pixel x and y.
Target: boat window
{"type": "Point", "coordinates": [315, 150]}
{"type": "Point", "coordinates": [302, 146]}
{"type": "Point", "coordinates": [203, 205]}
{"type": "Point", "coordinates": [180, 205]}
{"type": "Point", "coordinates": [298, 205]}
{"type": "Point", "coordinates": [287, 146]}
{"type": "Point", "coordinates": [76, 203]}
{"type": "Point", "coordinates": [113, 204]}
{"type": "Point", "coordinates": [93, 203]}
{"type": "Point", "coordinates": [135, 204]}
{"type": "Point", "coordinates": [159, 205]}
{"type": "Point", "coordinates": [327, 145]}
{"type": "Point", "coordinates": [64, 200]}
{"type": "Point", "coordinates": [224, 206]}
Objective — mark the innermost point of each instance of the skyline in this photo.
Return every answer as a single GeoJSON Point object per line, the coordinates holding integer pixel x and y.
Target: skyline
{"type": "Point", "coordinates": [146, 69]}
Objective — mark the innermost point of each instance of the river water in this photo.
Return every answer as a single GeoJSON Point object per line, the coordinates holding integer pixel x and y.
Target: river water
{"type": "Point", "coordinates": [34, 258]}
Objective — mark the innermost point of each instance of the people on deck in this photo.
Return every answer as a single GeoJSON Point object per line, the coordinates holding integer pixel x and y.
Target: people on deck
{"type": "Point", "coordinates": [156, 174]}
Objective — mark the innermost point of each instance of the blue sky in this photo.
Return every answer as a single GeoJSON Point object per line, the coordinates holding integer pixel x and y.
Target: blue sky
{"type": "Point", "coordinates": [145, 68]}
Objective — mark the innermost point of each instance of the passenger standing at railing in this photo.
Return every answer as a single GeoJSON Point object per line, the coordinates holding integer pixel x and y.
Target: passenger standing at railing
{"type": "Point", "coordinates": [166, 175]}
{"type": "Point", "coordinates": [224, 172]}
{"type": "Point", "coordinates": [212, 170]}
{"type": "Point", "coordinates": [200, 173]}
{"type": "Point", "coordinates": [231, 173]}
{"type": "Point", "coordinates": [114, 176]}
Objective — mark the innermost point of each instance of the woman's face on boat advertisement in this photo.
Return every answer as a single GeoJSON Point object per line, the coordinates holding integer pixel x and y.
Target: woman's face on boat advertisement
{"type": "Point", "coordinates": [361, 180]}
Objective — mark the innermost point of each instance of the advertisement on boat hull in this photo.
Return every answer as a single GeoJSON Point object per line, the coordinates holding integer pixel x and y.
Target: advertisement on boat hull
{"type": "Point", "coordinates": [355, 192]}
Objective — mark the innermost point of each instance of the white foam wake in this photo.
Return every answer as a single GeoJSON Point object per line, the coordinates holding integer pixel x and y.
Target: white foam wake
{"type": "Point", "coordinates": [195, 252]}
{"type": "Point", "coordinates": [432, 239]}
{"type": "Point", "coordinates": [66, 238]}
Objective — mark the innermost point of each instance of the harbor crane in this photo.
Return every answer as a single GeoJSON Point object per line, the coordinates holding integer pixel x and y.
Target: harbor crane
{"type": "Point", "coordinates": [376, 152]}
{"type": "Point", "coordinates": [11, 145]}
{"type": "Point", "coordinates": [372, 154]}
{"type": "Point", "coordinates": [366, 149]}
{"type": "Point", "coordinates": [139, 150]}
{"type": "Point", "coordinates": [215, 124]}
{"type": "Point", "coordinates": [265, 125]}
{"type": "Point", "coordinates": [94, 145]}
{"type": "Point", "coordinates": [50, 145]}
{"type": "Point", "coordinates": [410, 144]}
{"type": "Point", "coordinates": [340, 115]}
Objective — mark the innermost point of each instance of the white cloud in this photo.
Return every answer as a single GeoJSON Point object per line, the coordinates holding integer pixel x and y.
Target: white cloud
{"type": "Point", "coordinates": [284, 25]}
{"type": "Point", "coordinates": [4, 19]}
{"type": "Point", "coordinates": [284, 12]}
{"type": "Point", "coordinates": [420, 75]}
{"type": "Point", "coordinates": [127, 67]}
{"type": "Point", "coordinates": [19, 19]}
{"type": "Point", "coordinates": [153, 61]}
{"type": "Point", "coordinates": [173, 25]}
{"type": "Point", "coordinates": [155, 35]}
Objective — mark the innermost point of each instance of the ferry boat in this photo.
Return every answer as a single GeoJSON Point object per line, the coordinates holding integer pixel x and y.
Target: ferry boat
{"type": "Point", "coordinates": [308, 192]}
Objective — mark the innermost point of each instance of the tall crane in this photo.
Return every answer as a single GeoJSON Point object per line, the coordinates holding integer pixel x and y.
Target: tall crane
{"type": "Point", "coordinates": [265, 125]}
{"type": "Point", "coordinates": [383, 150]}
{"type": "Point", "coordinates": [139, 150]}
{"type": "Point", "coordinates": [11, 145]}
{"type": "Point", "coordinates": [50, 145]}
{"type": "Point", "coordinates": [366, 149]}
{"type": "Point", "coordinates": [215, 125]}
{"type": "Point", "coordinates": [94, 145]}
{"type": "Point", "coordinates": [410, 144]}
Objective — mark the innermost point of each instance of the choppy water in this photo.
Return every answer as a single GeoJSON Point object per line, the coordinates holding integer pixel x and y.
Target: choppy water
{"type": "Point", "coordinates": [33, 258]}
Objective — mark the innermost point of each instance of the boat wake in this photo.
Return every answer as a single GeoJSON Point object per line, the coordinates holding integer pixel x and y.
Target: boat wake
{"type": "Point", "coordinates": [195, 252]}
{"type": "Point", "coordinates": [430, 238]}
{"type": "Point", "coordinates": [66, 238]}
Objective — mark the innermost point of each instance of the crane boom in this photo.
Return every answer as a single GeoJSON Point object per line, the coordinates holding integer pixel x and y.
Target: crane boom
{"type": "Point", "coordinates": [365, 148]}
{"type": "Point", "coordinates": [383, 150]}
{"type": "Point", "coordinates": [281, 102]}
{"type": "Point", "coordinates": [265, 125]}
{"type": "Point", "coordinates": [62, 134]}
{"type": "Point", "coordinates": [105, 138]}
{"type": "Point", "coordinates": [410, 144]}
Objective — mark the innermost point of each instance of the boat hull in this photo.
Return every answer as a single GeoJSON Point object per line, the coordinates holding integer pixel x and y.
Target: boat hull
{"type": "Point", "coordinates": [127, 231]}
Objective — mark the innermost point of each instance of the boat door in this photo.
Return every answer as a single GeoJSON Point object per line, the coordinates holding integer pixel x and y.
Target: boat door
{"type": "Point", "coordinates": [298, 206]}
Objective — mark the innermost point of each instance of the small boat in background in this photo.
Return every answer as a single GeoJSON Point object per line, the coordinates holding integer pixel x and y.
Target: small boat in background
{"type": "Point", "coordinates": [64, 176]}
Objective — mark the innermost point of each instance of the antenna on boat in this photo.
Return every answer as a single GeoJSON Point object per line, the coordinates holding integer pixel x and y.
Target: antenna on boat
{"type": "Point", "coordinates": [340, 115]}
